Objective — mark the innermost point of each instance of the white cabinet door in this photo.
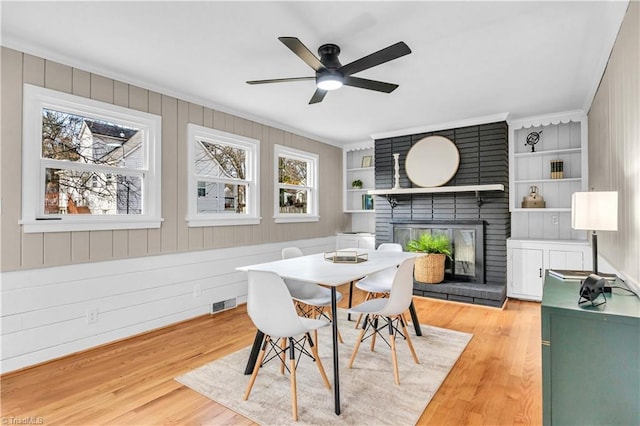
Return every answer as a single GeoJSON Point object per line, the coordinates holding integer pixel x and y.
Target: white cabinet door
{"type": "Point", "coordinates": [525, 274]}
{"type": "Point", "coordinates": [527, 261]}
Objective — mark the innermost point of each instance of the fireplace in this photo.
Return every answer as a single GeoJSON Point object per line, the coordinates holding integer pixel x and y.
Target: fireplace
{"type": "Point", "coordinates": [467, 245]}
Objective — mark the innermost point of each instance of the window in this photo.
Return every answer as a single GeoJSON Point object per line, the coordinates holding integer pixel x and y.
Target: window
{"type": "Point", "coordinates": [296, 186]}
{"type": "Point", "coordinates": [223, 178]}
{"type": "Point", "coordinates": [88, 165]}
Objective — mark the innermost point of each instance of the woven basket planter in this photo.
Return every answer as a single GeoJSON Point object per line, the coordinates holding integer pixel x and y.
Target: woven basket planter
{"type": "Point", "coordinates": [430, 268]}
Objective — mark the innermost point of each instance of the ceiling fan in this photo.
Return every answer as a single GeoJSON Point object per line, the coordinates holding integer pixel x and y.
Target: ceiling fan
{"type": "Point", "coordinates": [331, 75]}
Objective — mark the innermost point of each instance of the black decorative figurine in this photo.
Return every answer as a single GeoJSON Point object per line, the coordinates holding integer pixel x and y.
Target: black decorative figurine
{"type": "Point", "coordinates": [532, 139]}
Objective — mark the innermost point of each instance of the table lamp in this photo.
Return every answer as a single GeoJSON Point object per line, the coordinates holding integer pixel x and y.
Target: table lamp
{"type": "Point", "coordinates": [595, 211]}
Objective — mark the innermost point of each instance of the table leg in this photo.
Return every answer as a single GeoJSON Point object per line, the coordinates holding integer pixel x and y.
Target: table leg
{"type": "Point", "coordinates": [350, 299]}
{"type": "Point", "coordinates": [334, 324]}
{"type": "Point", "coordinates": [255, 349]}
{"type": "Point", "coordinates": [414, 319]}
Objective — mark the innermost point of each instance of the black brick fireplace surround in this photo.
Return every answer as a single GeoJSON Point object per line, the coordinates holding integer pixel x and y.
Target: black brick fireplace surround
{"type": "Point", "coordinates": [483, 160]}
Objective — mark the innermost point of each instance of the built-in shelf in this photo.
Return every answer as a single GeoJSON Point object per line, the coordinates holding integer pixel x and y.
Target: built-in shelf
{"type": "Point", "coordinates": [357, 169]}
{"type": "Point", "coordinates": [359, 189]}
{"type": "Point", "coordinates": [549, 152]}
{"type": "Point", "coordinates": [354, 158]}
{"type": "Point", "coordinates": [437, 189]}
{"type": "Point", "coordinates": [548, 180]}
{"type": "Point", "coordinates": [393, 202]}
{"type": "Point", "coordinates": [543, 209]}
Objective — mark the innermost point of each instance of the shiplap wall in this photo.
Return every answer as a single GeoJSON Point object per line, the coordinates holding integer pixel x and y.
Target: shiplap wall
{"type": "Point", "coordinates": [614, 146]}
{"type": "Point", "coordinates": [44, 310]}
{"type": "Point", "coordinates": [137, 280]}
{"type": "Point", "coordinates": [25, 251]}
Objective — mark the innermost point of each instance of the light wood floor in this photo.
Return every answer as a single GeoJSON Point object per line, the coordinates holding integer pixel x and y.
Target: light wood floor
{"type": "Point", "coordinates": [496, 381]}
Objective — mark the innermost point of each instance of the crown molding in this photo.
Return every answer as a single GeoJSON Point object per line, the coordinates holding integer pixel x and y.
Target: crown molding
{"type": "Point", "coordinates": [442, 126]}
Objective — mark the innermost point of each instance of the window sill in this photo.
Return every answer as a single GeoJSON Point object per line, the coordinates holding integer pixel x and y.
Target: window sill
{"type": "Point", "coordinates": [195, 222]}
{"type": "Point", "coordinates": [296, 218]}
{"type": "Point", "coordinates": [67, 224]}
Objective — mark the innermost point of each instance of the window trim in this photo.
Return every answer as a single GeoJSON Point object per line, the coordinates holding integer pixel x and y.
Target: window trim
{"type": "Point", "coordinates": [33, 220]}
{"type": "Point", "coordinates": [252, 180]}
{"type": "Point", "coordinates": [313, 184]}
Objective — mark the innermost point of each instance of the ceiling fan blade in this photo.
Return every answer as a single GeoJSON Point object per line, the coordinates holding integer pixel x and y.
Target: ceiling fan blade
{"type": "Point", "coordinates": [280, 80]}
{"type": "Point", "coordinates": [380, 57]}
{"type": "Point", "coordinates": [318, 96]}
{"type": "Point", "coordinates": [303, 53]}
{"type": "Point", "coordinates": [363, 83]}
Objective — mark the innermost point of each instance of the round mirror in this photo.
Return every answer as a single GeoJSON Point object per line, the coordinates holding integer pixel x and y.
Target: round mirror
{"type": "Point", "coordinates": [432, 161]}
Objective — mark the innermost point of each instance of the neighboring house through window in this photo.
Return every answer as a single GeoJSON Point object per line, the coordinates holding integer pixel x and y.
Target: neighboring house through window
{"type": "Point", "coordinates": [296, 185]}
{"type": "Point", "coordinates": [88, 165]}
{"type": "Point", "coordinates": [223, 178]}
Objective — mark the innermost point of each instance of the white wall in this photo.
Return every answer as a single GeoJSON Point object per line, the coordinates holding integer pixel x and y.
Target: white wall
{"type": "Point", "coordinates": [44, 311]}
{"type": "Point", "coordinates": [614, 147]}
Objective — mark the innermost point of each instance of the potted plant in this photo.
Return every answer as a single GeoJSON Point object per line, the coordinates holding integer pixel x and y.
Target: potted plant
{"type": "Point", "coordinates": [430, 268]}
{"type": "Point", "coordinates": [356, 184]}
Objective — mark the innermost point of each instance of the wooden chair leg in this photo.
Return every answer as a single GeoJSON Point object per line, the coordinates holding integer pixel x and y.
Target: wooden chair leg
{"type": "Point", "coordinates": [409, 342]}
{"type": "Point", "coordinates": [256, 368]}
{"type": "Point", "coordinates": [294, 392]}
{"type": "Point", "coordinates": [283, 347]}
{"type": "Point", "coordinates": [404, 318]}
{"type": "Point", "coordinates": [357, 346]}
{"type": "Point", "coordinates": [374, 323]}
{"type": "Point", "coordinates": [394, 356]}
{"type": "Point", "coordinates": [314, 351]}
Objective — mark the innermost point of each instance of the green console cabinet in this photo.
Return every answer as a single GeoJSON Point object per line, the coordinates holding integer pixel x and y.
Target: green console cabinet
{"type": "Point", "coordinates": [590, 357]}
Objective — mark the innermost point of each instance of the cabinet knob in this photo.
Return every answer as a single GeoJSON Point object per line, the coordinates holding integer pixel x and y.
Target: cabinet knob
{"type": "Point", "coordinates": [540, 270]}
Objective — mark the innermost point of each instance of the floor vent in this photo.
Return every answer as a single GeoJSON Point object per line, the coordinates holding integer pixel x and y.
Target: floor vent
{"type": "Point", "coordinates": [223, 305]}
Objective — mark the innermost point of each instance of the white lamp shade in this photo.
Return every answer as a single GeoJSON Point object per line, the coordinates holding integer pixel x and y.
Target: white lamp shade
{"type": "Point", "coordinates": [596, 210]}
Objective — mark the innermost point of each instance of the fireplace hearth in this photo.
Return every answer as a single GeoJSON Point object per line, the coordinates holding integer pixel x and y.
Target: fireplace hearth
{"type": "Point", "coordinates": [464, 272]}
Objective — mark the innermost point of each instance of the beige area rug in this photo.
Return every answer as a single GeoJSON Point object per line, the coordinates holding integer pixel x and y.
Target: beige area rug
{"type": "Point", "coordinates": [368, 392]}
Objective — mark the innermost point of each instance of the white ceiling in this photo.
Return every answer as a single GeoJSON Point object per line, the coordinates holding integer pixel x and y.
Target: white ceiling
{"type": "Point", "coordinates": [469, 59]}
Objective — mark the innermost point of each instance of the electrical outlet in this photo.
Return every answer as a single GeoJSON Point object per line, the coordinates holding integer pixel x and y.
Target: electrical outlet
{"type": "Point", "coordinates": [197, 290]}
{"type": "Point", "coordinates": [554, 219]}
{"type": "Point", "coordinates": [92, 315]}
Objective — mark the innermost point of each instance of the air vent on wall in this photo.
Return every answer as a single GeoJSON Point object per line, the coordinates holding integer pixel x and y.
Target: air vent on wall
{"type": "Point", "coordinates": [223, 305]}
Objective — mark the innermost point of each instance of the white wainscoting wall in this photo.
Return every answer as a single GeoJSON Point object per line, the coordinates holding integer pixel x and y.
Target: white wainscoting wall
{"type": "Point", "coordinates": [45, 311]}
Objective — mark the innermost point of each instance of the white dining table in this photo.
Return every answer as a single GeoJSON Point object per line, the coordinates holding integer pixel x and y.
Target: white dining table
{"type": "Point", "coordinates": [316, 269]}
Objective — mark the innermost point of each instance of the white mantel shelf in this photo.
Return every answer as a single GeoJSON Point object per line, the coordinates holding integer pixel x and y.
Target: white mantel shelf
{"type": "Point", "coordinates": [437, 189]}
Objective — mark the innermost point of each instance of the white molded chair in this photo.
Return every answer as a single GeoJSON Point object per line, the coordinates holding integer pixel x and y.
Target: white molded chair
{"type": "Point", "coordinates": [312, 298]}
{"type": "Point", "coordinates": [389, 312]}
{"type": "Point", "coordinates": [270, 307]}
{"type": "Point", "coordinates": [379, 283]}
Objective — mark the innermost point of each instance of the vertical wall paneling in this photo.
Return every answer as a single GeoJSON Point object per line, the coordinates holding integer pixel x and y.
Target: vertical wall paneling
{"type": "Point", "coordinates": [154, 244]}
{"type": "Point", "coordinates": [80, 246]}
{"type": "Point", "coordinates": [195, 236]}
{"type": "Point", "coordinates": [169, 173]}
{"type": "Point", "coordinates": [181, 176]}
{"type": "Point", "coordinates": [101, 88]}
{"type": "Point", "coordinates": [11, 75]}
{"type": "Point", "coordinates": [32, 244]}
{"type": "Point", "coordinates": [53, 249]}
{"type": "Point", "coordinates": [81, 83]}
{"type": "Point", "coordinates": [100, 245]}
{"type": "Point", "coordinates": [614, 146]}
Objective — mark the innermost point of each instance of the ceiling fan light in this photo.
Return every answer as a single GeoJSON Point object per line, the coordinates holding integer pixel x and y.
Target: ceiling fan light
{"type": "Point", "coordinates": [329, 82]}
